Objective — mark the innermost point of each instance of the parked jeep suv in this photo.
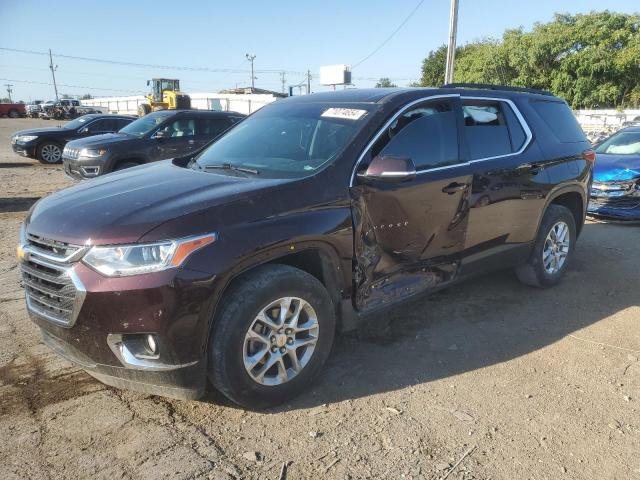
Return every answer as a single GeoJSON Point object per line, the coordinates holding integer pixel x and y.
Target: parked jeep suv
{"type": "Point", "coordinates": [241, 263]}
{"type": "Point", "coordinates": [157, 136]}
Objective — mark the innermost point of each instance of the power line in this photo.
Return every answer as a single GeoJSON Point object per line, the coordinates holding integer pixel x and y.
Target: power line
{"type": "Point", "coordinates": [70, 86]}
{"type": "Point", "coordinates": [145, 65]}
{"type": "Point", "coordinates": [390, 36]}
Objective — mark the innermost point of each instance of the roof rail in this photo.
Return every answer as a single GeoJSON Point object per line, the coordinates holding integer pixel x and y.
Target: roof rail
{"type": "Point", "coordinates": [487, 86]}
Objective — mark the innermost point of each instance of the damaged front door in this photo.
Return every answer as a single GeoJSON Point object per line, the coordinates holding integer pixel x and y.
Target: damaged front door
{"type": "Point", "coordinates": [410, 226]}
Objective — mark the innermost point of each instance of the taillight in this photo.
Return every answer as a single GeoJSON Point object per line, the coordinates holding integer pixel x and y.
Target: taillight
{"type": "Point", "coordinates": [589, 156]}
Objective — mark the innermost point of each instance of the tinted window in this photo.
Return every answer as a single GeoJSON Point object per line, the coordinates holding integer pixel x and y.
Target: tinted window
{"type": "Point", "coordinates": [105, 125]}
{"type": "Point", "coordinates": [427, 134]}
{"type": "Point", "coordinates": [485, 129]}
{"type": "Point", "coordinates": [212, 127]}
{"type": "Point", "coordinates": [183, 127]}
{"type": "Point", "coordinates": [121, 122]}
{"type": "Point", "coordinates": [559, 117]}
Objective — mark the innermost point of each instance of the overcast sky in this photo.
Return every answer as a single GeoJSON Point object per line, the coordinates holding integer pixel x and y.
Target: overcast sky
{"type": "Point", "coordinates": [283, 34]}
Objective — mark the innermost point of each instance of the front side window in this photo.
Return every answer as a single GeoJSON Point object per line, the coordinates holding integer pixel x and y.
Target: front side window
{"type": "Point", "coordinates": [622, 143]}
{"type": "Point", "coordinates": [427, 134]}
{"type": "Point", "coordinates": [288, 140]}
{"type": "Point", "coordinates": [183, 127]}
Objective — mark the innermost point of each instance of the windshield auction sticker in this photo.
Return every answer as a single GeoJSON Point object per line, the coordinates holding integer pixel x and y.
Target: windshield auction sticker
{"type": "Point", "coordinates": [345, 113]}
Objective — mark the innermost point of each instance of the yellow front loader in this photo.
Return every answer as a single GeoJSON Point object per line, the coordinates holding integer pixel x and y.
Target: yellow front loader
{"type": "Point", "coordinates": [165, 95]}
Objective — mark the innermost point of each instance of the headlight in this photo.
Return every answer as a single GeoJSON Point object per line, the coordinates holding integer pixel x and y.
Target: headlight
{"type": "Point", "coordinates": [136, 259]}
{"type": "Point", "coordinates": [92, 152]}
{"type": "Point", "coordinates": [26, 138]}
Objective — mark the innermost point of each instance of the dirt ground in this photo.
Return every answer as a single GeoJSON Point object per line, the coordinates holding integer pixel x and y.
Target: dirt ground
{"type": "Point", "coordinates": [529, 384]}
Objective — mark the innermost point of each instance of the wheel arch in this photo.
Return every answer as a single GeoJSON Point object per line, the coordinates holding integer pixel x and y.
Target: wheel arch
{"type": "Point", "coordinates": [572, 197]}
{"type": "Point", "coordinates": [317, 258]}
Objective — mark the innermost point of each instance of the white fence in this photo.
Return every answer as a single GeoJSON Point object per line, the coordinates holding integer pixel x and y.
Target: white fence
{"type": "Point", "coordinates": [224, 102]}
{"type": "Point", "coordinates": [605, 119]}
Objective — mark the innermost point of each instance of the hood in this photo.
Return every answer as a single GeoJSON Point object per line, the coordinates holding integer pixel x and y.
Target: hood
{"type": "Point", "coordinates": [611, 168]}
{"type": "Point", "coordinates": [121, 207]}
{"type": "Point", "coordinates": [100, 140]}
{"type": "Point", "coordinates": [43, 131]}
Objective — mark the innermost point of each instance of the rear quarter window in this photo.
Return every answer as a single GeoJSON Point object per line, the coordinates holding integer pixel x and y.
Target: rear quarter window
{"type": "Point", "coordinates": [560, 120]}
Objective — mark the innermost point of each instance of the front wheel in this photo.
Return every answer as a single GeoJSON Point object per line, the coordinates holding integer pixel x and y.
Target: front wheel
{"type": "Point", "coordinates": [272, 335]}
{"type": "Point", "coordinates": [49, 153]}
{"type": "Point", "coordinates": [552, 250]}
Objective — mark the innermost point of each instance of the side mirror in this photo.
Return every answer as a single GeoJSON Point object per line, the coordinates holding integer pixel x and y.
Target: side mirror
{"type": "Point", "coordinates": [161, 134]}
{"type": "Point", "coordinates": [83, 130]}
{"type": "Point", "coordinates": [388, 168]}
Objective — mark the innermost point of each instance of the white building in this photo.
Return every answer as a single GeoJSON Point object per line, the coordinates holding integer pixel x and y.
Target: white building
{"type": "Point", "coordinates": [236, 102]}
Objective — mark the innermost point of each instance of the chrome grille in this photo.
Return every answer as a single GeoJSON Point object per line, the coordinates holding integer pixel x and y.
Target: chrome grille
{"type": "Point", "coordinates": [52, 289]}
{"type": "Point", "coordinates": [71, 153]}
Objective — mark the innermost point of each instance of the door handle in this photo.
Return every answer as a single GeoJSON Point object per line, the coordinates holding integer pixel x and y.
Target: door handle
{"type": "Point", "coordinates": [191, 142]}
{"type": "Point", "coordinates": [532, 168]}
{"type": "Point", "coordinates": [455, 187]}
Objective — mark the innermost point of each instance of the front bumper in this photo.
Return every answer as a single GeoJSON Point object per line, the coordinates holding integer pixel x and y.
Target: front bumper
{"type": "Point", "coordinates": [174, 305]}
{"type": "Point", "coordinates": [82, 169]}
{"type": "Point", "coordinates": [184, 382]}
{"type": "Point", "coordinates": [24, 149]}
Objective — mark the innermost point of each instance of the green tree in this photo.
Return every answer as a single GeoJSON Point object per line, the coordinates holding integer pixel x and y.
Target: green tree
{"type": "Point", "coordinates": [385, 83]}
{"type": "Point", "coordinates": [86, 96]}
{"type": "Point", "coordinates": [591, 60]}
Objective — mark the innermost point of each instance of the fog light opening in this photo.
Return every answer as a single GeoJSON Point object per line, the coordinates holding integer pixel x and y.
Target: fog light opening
{"type": "Point", "coordinates": [151, 345]}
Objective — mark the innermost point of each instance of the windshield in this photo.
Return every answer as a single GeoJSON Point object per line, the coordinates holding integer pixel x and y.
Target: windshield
{"type": "Point", "coordinates": [287, 140]}
{"type": "Point", "coordinates": [622, 143]}
{"type": "Point", "coordinates": [142, 126]}
{"type": "Point", "coordinates": [77, 123]}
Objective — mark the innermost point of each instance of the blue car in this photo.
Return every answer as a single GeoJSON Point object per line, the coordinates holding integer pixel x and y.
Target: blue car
{"type": "Point", "coordinates": [615, 192]}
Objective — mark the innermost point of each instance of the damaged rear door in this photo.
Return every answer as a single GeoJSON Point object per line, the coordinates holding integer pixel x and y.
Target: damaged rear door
{"type": "Point", "coordinates": [410, 229]}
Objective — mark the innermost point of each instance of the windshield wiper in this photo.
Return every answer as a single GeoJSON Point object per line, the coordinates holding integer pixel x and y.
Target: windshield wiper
{"type": "Point", "coordinates": [228, 166]}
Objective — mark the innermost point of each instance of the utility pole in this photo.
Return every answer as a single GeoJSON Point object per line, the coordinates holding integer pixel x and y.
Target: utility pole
{"type": "Point", "coordinates": [451, 50]}
{"type": "Point", "coordinates": [308, 82]}
{"type": "Point", "coordinates": [251, 58]}
{"type": "Point", "coordinates": [53, 73]}
{"type": "Point", "coordinates": [283, 80]}
{"type": "Point", "coordinates": [8, 85]}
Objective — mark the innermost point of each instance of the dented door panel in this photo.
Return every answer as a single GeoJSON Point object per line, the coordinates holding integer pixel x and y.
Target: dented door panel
{"type": "Point", "coordinates": [408, 235]}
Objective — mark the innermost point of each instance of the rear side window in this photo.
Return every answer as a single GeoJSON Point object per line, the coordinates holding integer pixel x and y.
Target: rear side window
{"type": "Point", "coordinates": [212, 127]}
{"type": "Point", "coordinates": [427, 134]}
{"type": "Point", "coordinates": [491, 128]}
{"type": "Point", "coordinates": [561, 121]}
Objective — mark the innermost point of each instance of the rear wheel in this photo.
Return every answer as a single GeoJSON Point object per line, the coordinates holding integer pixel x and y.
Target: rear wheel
{"type": "Point", "coordinates": [552, 250]}
{"type": "Point", "coordinates": [49, 152]}
{"type": "Point", "coordinates": [13, 113]}
{"type": "Point", "coordinates": [144, 109]}
{"type": "Point", "coordinates": [272, 335]}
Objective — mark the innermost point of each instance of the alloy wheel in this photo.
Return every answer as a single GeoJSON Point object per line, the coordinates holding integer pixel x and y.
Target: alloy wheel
{"type": "Point", "coordinates": [556, 248]}
{"type": "Point", "coordinates": [280, 341]}
{"type": "Point", "coordinates": [51, 153]}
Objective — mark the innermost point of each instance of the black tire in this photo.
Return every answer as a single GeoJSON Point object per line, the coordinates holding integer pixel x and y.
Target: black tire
{"type": "Point", "coordinates": [13, 113]}
{"type": "Point", "coordinates": [534, 272]}
{"type": "Point", "coordinates": [124, 165]}
{"type": "Point", "coordinates": [49, 152]}
{"type": "Point", "coordinates": [144, 109]}
{"type": "Point", "coordinates": [236, 313]}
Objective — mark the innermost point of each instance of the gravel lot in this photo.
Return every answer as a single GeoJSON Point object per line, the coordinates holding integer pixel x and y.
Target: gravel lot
{"type": "Point", "coordinates": [531, 384]}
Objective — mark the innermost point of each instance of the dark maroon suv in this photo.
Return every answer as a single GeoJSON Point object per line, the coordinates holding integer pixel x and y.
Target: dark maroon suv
{"type": "Point", "coordinates": [240, 263]}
